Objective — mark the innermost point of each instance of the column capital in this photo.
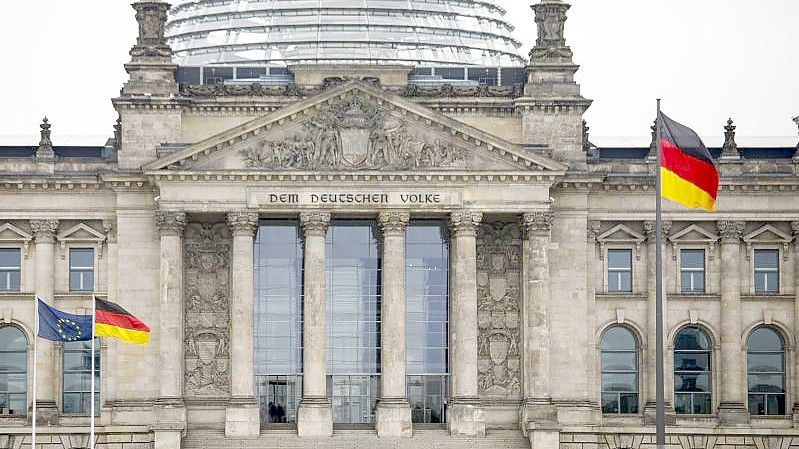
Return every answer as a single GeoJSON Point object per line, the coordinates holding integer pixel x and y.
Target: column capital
{"type": "Point", "coordinates": [169, 222]}
{"type": "Point", "coordinates": [110, 229]}
{"type": "Point", "coordinates": [243, 223]}
{"type": "Point", "coordinates": [465, 222]}
{"type": "Point", "coordinates": [795, 228]}
{"type": "Point", "coordinates": [537, 222]}
{"type": "Point", "coordinates": [315, 222]}
{"type": "Point", "coordinates": [44, 230]}
{"type": "Point", "coordinates": [731, 231]}
{"type": "Point", "coordinates": [393, 222]}
{"type": "Point", "coordinates": [650, 231]}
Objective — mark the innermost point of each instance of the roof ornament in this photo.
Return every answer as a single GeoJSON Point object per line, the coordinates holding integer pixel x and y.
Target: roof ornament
{"type": "Point", "coordinates": [118, 135]}
{"type": "Point", "coordinates": [45, 149]}
{"type": "Point", "coordinates": [653, 145]}
{"type": "Point", "coordinates": [730, 148]}
{"type": "Point", "coordinates": [796, 154]}
{"type": "Point", "coordinates": [550, 16]}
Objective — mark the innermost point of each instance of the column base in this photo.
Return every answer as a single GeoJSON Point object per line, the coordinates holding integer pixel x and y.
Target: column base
{"type": "Point", "coordinates": [538, 412]}
{"type": "Point", "coordinates": [543, 436]}
{"type": "Point", "coordinates": [242, 418]}
{"type": "Point", "coordinates": [393, 418]}
{"type": "Point", "coordinates": [315, 418]}
{"type": "Point", "coordinates": [47, 413]}
{"type": "Point", "coordinates": [167, 439]}
{"type": "Point", "coordinates": [170, 423]}
{"type": "Point", "coordinates": [733, 414]}
{"type": "Point", "coordinates": [466, 418]}
{"type": "Point", "coordinates": [650, 414]}
{"type": "Point", "coordinates": [796, 416]}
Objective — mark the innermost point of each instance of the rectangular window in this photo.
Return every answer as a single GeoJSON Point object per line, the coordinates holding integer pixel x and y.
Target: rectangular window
{"type": "Point", "coordinates": [9, 269]}
{"type": "Point", "coordinates": [81, 270]}
{"type": "Point", "coordinates": [620, 270]}
{"type": "Point", "coordinates": [77, 369]}
{"type": "Point", "coordinates": [692, 270]}
{"type": "Point", "coordinates": [767, 271]}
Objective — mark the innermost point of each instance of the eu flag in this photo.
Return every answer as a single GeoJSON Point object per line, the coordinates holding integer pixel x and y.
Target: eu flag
{"type": "Point", "coordinates": [56, 325]}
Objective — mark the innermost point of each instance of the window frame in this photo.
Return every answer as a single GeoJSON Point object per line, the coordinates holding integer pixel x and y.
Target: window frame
{"type": "Point", "coordinates": [756, 271]}
{"type": "Point", "coordinates": [5, 272]}
{"type": "Point", "coordinates": [691, 271]}
{"type": "Point", "coordinates": [637, 351]}
{"type": "Point", "coordinates": [26, 351]}
{"type": "Point", "coordinates": [81, 270]}
{"type": "Point", "coordinates": [710, 372]}
{"type": "Point", "coordinates": [83, 392]}
{"type": "Point", "coordinates": [784, 373]}
{"type": "Point", "coordinates": [609, 270]}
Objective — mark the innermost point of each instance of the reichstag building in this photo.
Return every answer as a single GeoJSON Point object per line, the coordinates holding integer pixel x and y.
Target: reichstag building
{"type": "Point", "coordinates": [378, 225]}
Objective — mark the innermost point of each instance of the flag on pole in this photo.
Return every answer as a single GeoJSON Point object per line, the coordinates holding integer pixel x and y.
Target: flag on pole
{"type": "Point", "coordinates": [55, 325]}
{"type": "Point", "coordinates": [689, 175]}
{"type": "Point", "coordinates": [111, 320]}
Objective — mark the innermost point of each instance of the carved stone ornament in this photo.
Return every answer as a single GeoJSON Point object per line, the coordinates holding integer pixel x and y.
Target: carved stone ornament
{"type": "Point", "coordinates": [207, 323]}
{"type": "Point", "coordinates": [315, 222]}
{"type": "Point", "coordinates": [44, 229]}
{"type": "Point", "coordinates": [354, 134]}
{"type": "Point", "coordinates": [393, 222]}
{"type": "Point", "coordinates": [151, 17]}
{"type": "Point", "coordinates": [795, 228]}
{"type": "Point", "coordinates": [465, 222]}
{"type": "Point", "coordinates": [499, 265]}
{"type": "Point", "coordinates": [170, 222]}
{"type": "Point", "coordinates": [294, 90]}
{"type": "Point", "coordinates": [45, 149]}
{"type": "Point", "coordinates": [550, 17]}
{"type": "Point", "coordinates": [730, 148]}
{"type": "Point", "coordinates": [731, 231]}
{"type": "Point", "coordinates": [649, 230]}
{"type": "Point", "coordinates": [243, 222]}
{"type": "Point", "coordinates": [537, 223]}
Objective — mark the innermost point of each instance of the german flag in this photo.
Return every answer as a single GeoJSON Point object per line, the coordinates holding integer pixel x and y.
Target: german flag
{"type": "Point", "coordinates": [688, 173]}
{"type": "Point", "coordinates": [111, 320]}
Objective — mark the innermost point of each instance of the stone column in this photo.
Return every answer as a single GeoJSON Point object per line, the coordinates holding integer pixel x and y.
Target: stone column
{"type": "Point", "coordinates": [393, 409]}
{"type": "Point", "coordinates": [170, 412]}
{"type": "Point", "coordinates": [314, 417]}
{"type": "Point", "coordinates": [795, 228]}
{"type": "Point", "coordinates": [242, 418]}
{"type": "Point", "coordinates": [540, 419]}
{"type": "Point", "coordinates": [465, 417]}
{"type": "Point", "coordinates": [732, 404]}
{"type": "Point", "coordinates": [650, 407]}
{"type": "Point", "coordinates": [44, 232]}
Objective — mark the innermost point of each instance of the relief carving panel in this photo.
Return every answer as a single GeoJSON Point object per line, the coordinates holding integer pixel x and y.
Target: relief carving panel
{"type": "Point", "coordinates": [207, 334]}
{"type": "Point", "coordinates": [499, 270]}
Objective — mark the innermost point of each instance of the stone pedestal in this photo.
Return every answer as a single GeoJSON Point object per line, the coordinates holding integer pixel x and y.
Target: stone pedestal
{"type": "Point", "coordinates": [170, 423]}
{"type": "Point", "coordinates": [464, 416]}
{"type": "Point", "coordinates": [543, 436]}
{"type": "Point", "coordinates": [393, 417]}
{"type": "Point", "coordinates": [314, 417]}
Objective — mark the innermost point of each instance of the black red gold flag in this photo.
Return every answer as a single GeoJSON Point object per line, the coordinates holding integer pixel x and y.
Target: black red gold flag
{"type": "Point", "coordinates": [111, 320]}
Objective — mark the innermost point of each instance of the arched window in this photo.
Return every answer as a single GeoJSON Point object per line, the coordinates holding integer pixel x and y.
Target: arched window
{"type": "Point", "coordinates": [619, 351]}
{"type": "Point", "coordinates": [78, 377]}
{"type": "Point", "coordinates": [765, 357]}
{"type": "Point", "coordinates": [692, 372]}
{"type": "Point", "coordinates": [13, 371]}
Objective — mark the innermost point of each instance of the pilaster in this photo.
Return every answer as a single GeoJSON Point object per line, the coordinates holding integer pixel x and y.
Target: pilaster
{"type": "Point", "coordinates": [170, 412]}
{"type": "Point", "coordinates": [315, 416]}
{"type": "Point", "coordinates": [465, 416]}
{"type": "Point", "coordinates": [393, 414]}
{"type": "Point", "coordinates": [242, 417]}
{"type": "Point", "coordinates": [795, 229]}
{"type": "Point", "coordinates": [732, 404]}
{"type": "Point", "coordinates": [44, 232]}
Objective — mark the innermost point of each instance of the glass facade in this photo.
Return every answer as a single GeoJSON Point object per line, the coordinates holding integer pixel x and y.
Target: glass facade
{"type": "Point", "coordinates": [9, 269]}
{"type": "Point", "coordinates": [353, 320]}
{"type": "Point", "coordinates": [13, 371]}
{"type": "Point", "coordinates": [620, 270]}
{"type": "Point", "coordinates": [619, 354]}
{"type": "Point", "coordinates": [766, 372]}
{"type": "Point", "coordinates": [427, 309]}
{"type": "Point", "coordinates": [692, 271]}
{"type": "Point", "coordinates": [78, 377]}
{"type": "Point", "coordinates": [81, 269]}
{"type": "Point", "coordinates": [278, 320]}
{"type": "Point", "coordinates": [692, 372]}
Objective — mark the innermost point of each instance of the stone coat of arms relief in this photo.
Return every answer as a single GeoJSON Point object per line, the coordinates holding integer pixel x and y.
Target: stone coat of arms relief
{"type": "Point", "coordinates": [499, 254]}
{"type": "Point", "coordinates": [355, 134]}
{"type": "Point", "coordinates": [207, 286]}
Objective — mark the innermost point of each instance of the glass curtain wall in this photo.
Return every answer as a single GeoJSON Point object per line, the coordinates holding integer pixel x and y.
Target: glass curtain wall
{"type": "Point", "coordinates": [353, 320]}
{"type": "Point", "coordinates": [278, 320]}
{"type": "Point", "coordinates": [427, 311]}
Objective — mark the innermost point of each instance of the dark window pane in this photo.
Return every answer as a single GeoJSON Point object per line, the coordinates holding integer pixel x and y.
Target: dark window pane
{"type": "Point", "coordinates": [619, 382]}
{"type": "Point", "coordinates": [619, 361]}
{"type": "Point", "coordinates": [692, 259]}
{"type": "Point", "coordinates": [618, 338]}
{"type": "Point", "coordinates": [682, 403]}
{"type": "Point", "coordinates": [765, 339]}
{"type": "Point", "coordinates": [692, 338]}
{"type": "Point", "coordinates": [628, 403]}
{"type": "Point", "coordinates": [775, 404]}
{"type": "Point", "coordinates": [13, 362]}
{"type": "Point", "coordinates": [610, 403]}
{"type": "Point", "coordinates": [691, 361]}
{"type": "Point", "coordinates": [766, 259]}
{"type": "Point", "coordinates": [766, 383]}
{"type": "Point", "coordinates": [765, 363]}
{"type": "Point", "coordinates": [12, 339]}
{"type": "Point", "coordinates": [9, 258]}
{"type": "Point", "coordinates": [692, 383]}
{"type": "Point", "coordinates": [620, 259]}
{"type": "Point", "coordinates": [81, 258]}
{"type": "Point", "coordinates": [702, 404]}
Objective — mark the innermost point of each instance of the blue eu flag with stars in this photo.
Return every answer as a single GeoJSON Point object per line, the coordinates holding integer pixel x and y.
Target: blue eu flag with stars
{"type": "Point", "coordinates": [55, 325]}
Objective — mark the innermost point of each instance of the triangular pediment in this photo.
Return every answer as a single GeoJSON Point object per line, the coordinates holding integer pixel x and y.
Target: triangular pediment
{"type": "Point", "coordinates": [621, 234]}
{"type": "Point", "coordinates": [356, 127]}
{"type": "Point", "coordinates": [81, 233]}
{"type": "Point", "coordinates": [11, 233]}
{"type": "Point", "coordinates": [693, 234]}
{"type": "Point", "coordinates": [767, 234]}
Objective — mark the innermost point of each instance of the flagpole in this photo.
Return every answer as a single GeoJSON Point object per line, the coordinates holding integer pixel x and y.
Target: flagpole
{"type": "Point", "coordinates": [660, 411]}
{"type": "Point", "coordinates": [35, 362]}
{"type": "Point", "coordinates": [91, 419]}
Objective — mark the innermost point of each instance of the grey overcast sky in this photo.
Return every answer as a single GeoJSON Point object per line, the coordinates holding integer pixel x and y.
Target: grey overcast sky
{"type": "Point", "coordinates": [708, 60]}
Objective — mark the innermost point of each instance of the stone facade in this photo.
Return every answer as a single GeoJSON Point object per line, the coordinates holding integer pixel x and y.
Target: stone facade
{"type": "Point", "coordinates": [171, 213]}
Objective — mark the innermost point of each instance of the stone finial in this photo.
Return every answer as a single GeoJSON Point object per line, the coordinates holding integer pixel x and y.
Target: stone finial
{"type": "Point", "coordinates": [243, 222]}
{"type": "Point", "coordinates": [796, 156]}
{"type": "Point", "coordinates": [151, 69]}
{"type": "Point", "coordinates": [44, 229]}
{"type": "Point", "coordinates": [731, 231]}
{"type": "Point", "coordinates": [550, 17]}
{"type": "Point", "coordinates": [586, 142]}
{"type": "Point", "coordinates": [537, 222]}
{"type": "Point", "coordinates": [152, 17]}
{"type": "Point", "coordinates": [393, 222]}
{"type": "Point", "coordinates": [170, 223]}
{"type": "Point", "coordinates": [315, 222]}
{"type": "Point", "coordinates": [118, 135]}
{"type": "Point", "coordinates": [465, 222]}
{"type": "Point", "coordinates": [45, 149]}
{"type": "Point", "coordinates": [730, 148]}
{"type": "Point", "coordinates": [653, 145]}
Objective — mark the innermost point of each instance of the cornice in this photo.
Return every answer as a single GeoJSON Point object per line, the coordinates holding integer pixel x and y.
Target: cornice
{"type": "Point", "coordinates": [248, 176]}
{"type": "Point", "coordinates": [599, 183]}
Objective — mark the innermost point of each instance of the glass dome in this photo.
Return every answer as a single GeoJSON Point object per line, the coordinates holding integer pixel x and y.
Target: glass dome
{"type": "Point", "coordinates": [287, 32]}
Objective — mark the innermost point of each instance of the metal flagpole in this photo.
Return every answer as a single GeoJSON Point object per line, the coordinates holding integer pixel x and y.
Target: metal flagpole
{"type": "Point", "coordinates": [660, 412]}
{"type": "Point", "coordinates": [35, 362]}
{"type": "Point", "coordinates": [91, 419]}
